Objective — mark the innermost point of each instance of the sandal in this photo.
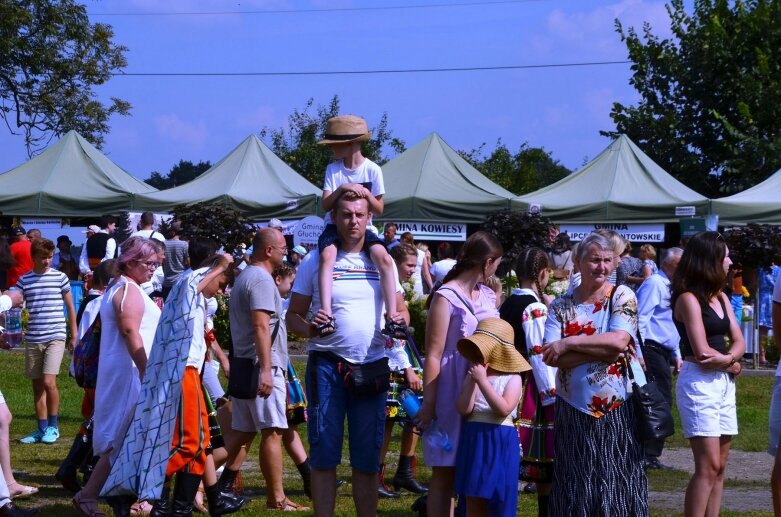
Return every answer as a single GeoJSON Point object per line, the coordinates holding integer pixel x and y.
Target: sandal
{"type": "Point", "coordinates": [395, 330]}
{"type": "Point", "coordinates": [286, 505]}
{"type": "Point", "coordinates": [87, 507]}
{"type": "Point", "coordinates": [21, 491]}
{"type": "Point", "coordinates": [329, 327]}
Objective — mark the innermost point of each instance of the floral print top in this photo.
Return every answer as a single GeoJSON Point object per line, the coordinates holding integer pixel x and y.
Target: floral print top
{"type": "Point", "coordinates": [597, 387]}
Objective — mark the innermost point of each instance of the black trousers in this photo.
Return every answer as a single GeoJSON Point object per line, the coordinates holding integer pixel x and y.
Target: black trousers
{"type": "Point", "coordinates": [657, 364]}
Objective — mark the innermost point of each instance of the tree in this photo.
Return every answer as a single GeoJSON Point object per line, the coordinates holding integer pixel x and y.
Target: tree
{"type": "Point", "coordinates": [516, 231]}
{"type": "Point", "coordinates": [51, 58]}
{"type": "Point", "coordinates": [297, 145]}
{"type": "Point", "coordinates": [225, 226]}
{"type": "Point", "coordinates": [710, 97]}
{"type": "Point", "coordinates": [753, 246]}
{"type": "Point", "coordinates": [530, 169]}
{"type": "Point", "coordinates": [179, 174]}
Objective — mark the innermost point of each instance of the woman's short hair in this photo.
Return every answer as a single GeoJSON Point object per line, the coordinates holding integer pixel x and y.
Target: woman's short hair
{"type": "Point", "coordinates": [135, 249]}
{"type": "Point", "coordinates": [398, 253]}
{"type": "Point", "coordinates": [615, 239]}
{"type": "Point", "coordinates": [41, 248]}
{"type": "Point", "coordinates": [105, 271]}
{"type": "Point", "coordinates": [701, 269]}
{"type": "Point", "coordinates": [649, 250]}
{"type": "Point", "coordinates": [407, 237]}
{"type": "Point", "coordinates": [597, 239]}
{"type": "Point", "coordinates": [199, 250]}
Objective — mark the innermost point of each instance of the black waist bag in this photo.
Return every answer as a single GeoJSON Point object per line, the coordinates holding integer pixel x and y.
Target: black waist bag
{"type": "Point", "coordinates": [245, 374]}
{"type": "Point", "coordinates": [368, 378]}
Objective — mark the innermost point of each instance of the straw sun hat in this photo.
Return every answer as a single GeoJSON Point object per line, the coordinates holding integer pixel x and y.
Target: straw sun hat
{"type": "Point", "coordinates": [492, 344]}
{"type": "Point", "coordinates": [345, 128]}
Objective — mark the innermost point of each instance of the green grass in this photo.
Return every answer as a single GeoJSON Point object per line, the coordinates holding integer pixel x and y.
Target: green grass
{"type": "Point", "coordinates": [36, 464]}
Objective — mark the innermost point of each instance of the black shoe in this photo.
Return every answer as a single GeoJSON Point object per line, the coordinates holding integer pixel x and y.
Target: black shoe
{"type": "Point", "coordinates": [530, 488]}
{"type": "Point", "coordinates": [9, 510]}
{"type": "Point", "coordinates": [384, 490]}
{"type": "Point", "coordinates": [420, 506]}
{"type": "Point", "coordinates": [223, 503]}
{"type": "Point", "coordinates": [185, 488]}
{"type": "Point", "coordinates": [405, 476]}
{"type": "Point", "coordinates": [655, 464]}
{"type": "Point", "coordinates": [67, 474]}
{"type": "Point", "coordinates": [162, 507]}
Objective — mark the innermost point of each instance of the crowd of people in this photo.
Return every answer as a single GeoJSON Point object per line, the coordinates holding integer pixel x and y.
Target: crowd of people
{"type": "Point", "coordinates": [520, 387]}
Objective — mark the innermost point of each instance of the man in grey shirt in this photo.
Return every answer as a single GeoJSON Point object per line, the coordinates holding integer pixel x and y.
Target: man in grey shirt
{"type": "Point", "coordinates": [176, 259]}
{"type": "Point", "coordinates": [259, 333]}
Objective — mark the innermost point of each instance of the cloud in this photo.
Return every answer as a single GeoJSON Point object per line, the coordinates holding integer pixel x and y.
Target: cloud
{"type": "Point", "coordinates": [593, 32]}
{"type": "Point", "coordinates": [174, 128]}
{"type": "Point", "coordinates": [260, 117]}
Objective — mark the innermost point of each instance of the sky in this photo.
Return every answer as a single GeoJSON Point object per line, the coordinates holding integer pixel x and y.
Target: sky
{"type": "Point", "coordinates": [561, 109]}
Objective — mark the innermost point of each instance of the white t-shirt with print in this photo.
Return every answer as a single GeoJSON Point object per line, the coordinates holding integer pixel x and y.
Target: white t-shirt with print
{"type": "Point", "coordinates": [356, 303]}
{"type": "Point", "coordinates": [368, 173]}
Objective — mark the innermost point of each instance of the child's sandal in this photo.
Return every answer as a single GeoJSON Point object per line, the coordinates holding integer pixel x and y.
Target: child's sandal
{"type": "Point", "coordinates": [326, 328]}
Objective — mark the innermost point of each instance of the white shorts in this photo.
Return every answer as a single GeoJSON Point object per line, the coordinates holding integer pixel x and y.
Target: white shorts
{"type": "Point", "coordinates": [775, 418]}
{"type": "Point", "coordinates": [706, 402]}
{"type": "Point", "coordinates": [254, 415]}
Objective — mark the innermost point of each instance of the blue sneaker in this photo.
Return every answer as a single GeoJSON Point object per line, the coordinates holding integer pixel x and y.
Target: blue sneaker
{"type": "Point", "coordinates": [34, 437]}
{"type": "Point", "coordinates": [50, 435]}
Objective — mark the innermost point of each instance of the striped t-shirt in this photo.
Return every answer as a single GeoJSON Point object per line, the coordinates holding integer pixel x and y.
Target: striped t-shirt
{"type": "Point", "coordinates": [43, 298]}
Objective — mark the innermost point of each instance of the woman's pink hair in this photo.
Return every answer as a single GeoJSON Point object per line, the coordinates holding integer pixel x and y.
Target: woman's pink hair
{"type": "Point", "coordinates": [133, 249]}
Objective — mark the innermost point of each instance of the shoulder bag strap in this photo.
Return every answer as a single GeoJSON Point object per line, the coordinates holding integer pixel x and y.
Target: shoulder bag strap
{"type": "Point", "coordinates": [467, 305]}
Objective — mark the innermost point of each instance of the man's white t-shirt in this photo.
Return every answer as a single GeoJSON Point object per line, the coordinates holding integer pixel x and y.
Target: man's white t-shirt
{"type": "Point", "coordinates": [368, 173]}
{"type": "Point", "coordinates": [356, 303]}
{"type": "Point", "coordinates": [440, 268]}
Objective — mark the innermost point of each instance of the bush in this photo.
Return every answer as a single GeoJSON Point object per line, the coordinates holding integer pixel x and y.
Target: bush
{"type": "Point", "coordinates": [225, 226]}
{"type": "Point", "coordinates": [516, 231]}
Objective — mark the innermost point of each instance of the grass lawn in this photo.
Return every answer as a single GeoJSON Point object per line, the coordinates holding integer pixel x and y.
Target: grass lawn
{"type": "Point", "coordinates": [36, 464]}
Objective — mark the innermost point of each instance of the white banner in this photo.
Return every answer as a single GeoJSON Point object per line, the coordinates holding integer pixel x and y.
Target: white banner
{"type": "Point", "coordinates": [641, 232]}
{"type": "Point", "coordinates": [432, 231]}
{"type": "Point", "coordinates": [307, 231]}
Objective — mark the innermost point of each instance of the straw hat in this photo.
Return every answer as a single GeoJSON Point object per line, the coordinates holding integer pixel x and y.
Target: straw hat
{"type": "Point", "coordinates": [493, 343]}
{"type": "Point", "coordinates": [345, 128]}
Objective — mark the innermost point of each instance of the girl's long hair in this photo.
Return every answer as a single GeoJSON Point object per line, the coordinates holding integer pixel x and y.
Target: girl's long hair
{"type": "Point", "coordinates": [701, 269]}
{"type": "Point", "coordinates": [530, 264]}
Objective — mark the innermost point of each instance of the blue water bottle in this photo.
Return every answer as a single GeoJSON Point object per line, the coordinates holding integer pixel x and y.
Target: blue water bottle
{"type": "Point", "coordinates": [13, 327]}
{"type": "Point", "coordinates": [433, 434]}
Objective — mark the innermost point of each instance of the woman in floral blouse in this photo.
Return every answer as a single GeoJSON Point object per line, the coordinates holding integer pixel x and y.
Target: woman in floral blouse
{"type": "Point", "coordinates": [599, 463]}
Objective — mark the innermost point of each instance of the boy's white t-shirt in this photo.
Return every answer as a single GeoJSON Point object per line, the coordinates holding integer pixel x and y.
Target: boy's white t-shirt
{"type": "Point", "coordinates": [368, 173]}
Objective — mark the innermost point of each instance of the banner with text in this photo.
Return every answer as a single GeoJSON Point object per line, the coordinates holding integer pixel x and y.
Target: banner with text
{"type": "Point", "coordinates": [641, 232]}
{"type": "Point", "coordinates": [432, 231]}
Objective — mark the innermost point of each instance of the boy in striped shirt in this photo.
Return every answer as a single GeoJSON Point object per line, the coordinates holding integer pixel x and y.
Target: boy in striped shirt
{"type": "Point", "coordinates": [46, 291]}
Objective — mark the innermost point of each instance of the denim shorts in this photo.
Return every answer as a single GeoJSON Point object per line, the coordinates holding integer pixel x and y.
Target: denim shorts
{"type": "Point", "coordinates": [775, 418]}
{"type": "Point", "coordinates": [706, 402]}
{"type": "Point", "coordinates": [329, 403]}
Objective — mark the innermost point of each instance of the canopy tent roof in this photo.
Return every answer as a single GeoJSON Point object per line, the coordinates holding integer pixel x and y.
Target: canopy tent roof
{"type": "Point", "coordinates": [621, 184]}
{"type": "Point", "coordinates": [251, 179]}
{"type": "Point", "coordinates": [432, 182]}
{"type": "Point", "coordinates": [71, 178]}
{"type": "Point", "coordinates": [758, 204]}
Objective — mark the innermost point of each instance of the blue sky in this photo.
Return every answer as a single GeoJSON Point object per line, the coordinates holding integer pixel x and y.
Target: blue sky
{"type": "Point", "coordinates": [203, 118]}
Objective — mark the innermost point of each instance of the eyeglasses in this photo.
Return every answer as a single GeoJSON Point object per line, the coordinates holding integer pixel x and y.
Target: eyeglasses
{"type": "Point", "coordinates": [149, 264]}
{"type": "Point", "coordinates": [283, 249]}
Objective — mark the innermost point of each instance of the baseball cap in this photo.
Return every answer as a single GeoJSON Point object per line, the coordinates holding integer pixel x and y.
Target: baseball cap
{"type": "Point", "coordinates": [300, 250]}
{"type": "Point", "coordinates": [18, 230]}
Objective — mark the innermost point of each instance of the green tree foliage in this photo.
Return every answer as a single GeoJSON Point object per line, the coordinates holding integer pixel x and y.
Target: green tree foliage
{"type": "Point", "coordinates": [529, 169]}
{"type": "Point", "coordinates": [179, 174]}
{"type": "Point", "coordinates": [516, 231]}
{"type": "Point", "coordinates": [226, 227]}
{"type": "Point", "coordinates": [51, 58]}
{"type": "Point", "coordinates": [123, 229]}
{"type": "Point", "coordinates": [753, 246]}
{"type": "Point", "coordinates": [297, 145]}
{"type": "Point", "coordinates": [710, 96]}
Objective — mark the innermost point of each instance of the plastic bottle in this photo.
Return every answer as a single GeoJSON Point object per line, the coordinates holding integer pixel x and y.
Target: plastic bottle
{"type": "Point", "coordinates": [13, 327]}
{"type": "Point", "coordinates": [433, 434]}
